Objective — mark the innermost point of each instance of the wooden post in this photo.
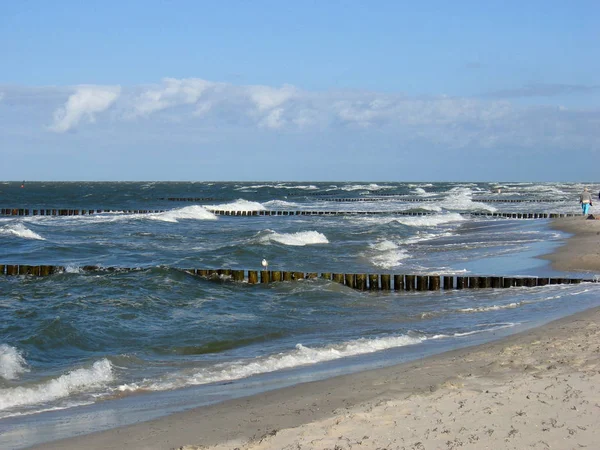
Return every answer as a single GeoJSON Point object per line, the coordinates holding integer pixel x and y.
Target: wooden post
{"type": "Point", "coordinates": [276, 275]}
{"type": "Point", "coordinates": [252, 276]}
{"type": "Point", "coordinates": [311, 275]}
{"type": "Point", "coordinates": [543, 281]}
{"type": "Point", "coordinates": [373, 282]}
{"type": "Point", "coordinates": [287, 276]}
{"type": "Point", "coordinates": [264, 276]}
{"type": "Point", "coordinates": [326, 275]}
{"type": "Point", "coordinates": [519, 282]}
{"type": "Point", "coordinates": [12, 269]}
{"type": "Point", "coordinates": [448, 282]}
{"type": "Point", "coordinates": [409, 282]}
{"type": "Point", "coordinates": [422, 282]}
{"type": "Point", "coordinates": [298, 275]}
{"type": "Point", "coordinates": [2, 269]}
{"type": "Point", "coordinates": [338, 278]}
{"type": "Point", "coordinates": [485, 282]}
{"type": "Point", "coordinates": [434, 282]}
{"type": "Point", "coordinates": [350, 280]}
{"type": "Point", "coordinates": [508, 282]}
{"type": "Point", "coordinates": [45, 271]}
{"type": "Point", "coordinates": [238, 275]}
{"type": "Point", "coordinates": [496, 282]}
{"type": "Point", "coordinates": [398, 282]}
{"type": "Point", "coordinates": [385, 282]}
{"type": "Point", "coordinates": [461, 282]}
{"type": "Point", "coordinates": [361, 282]}
{"type": "Point", "coordinates": [473, 282]}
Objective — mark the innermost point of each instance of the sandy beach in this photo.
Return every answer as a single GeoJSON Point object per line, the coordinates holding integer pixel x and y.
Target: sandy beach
{"type": "Point", "coordinates": [537, 389]}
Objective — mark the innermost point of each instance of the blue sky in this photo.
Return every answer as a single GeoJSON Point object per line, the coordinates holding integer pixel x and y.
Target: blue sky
{"type": "Point", "coordinates": [305, 90]}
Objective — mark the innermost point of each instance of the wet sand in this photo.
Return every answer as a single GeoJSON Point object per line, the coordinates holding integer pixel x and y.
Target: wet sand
{"type": "Point", "coordinates": [537, 389]}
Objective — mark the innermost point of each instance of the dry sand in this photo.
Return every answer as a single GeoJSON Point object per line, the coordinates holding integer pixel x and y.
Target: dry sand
{"type": "Point", "coordinates": [538, 389]}
{"type": "Point", "coordinates": [582, 249]}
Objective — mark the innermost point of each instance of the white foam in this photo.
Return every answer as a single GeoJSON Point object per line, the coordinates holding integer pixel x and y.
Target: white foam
{"type": "Point", "coordinates": [462, 199]}
{"type": "Point", "coordinates": [194, 212]}
{"type": "Point", "coordinates": [281, 204]}
{"type": "Point", "coordinates": [363, 187]}
{"type": "Point", "coordinates": [19, 230]}
{"type": "Point", "coordinates": [386, 254]}
{"type": "Point", "coordinates": [12, 362]}
{"type": "Point", "coordinates": [300, 356]}
{"type": "Point", "coordinates": [238, 205]}
{"type": "Point", "coordinates": [300, 238]}
{"type": "Point", "coordinates": [75, 381]}
{"type": "Point", "coordinates": [310, 187]}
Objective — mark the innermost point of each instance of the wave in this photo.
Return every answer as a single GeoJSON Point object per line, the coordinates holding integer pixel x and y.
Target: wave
{"type": "Point", "coordinates": [281, 204]}
{"type": "Point", "coordinates": [364, 187]}
{"type": "Point", "coordinates": [309, 187]}
{"type": "Point", "coordinates": [238, 205]}
{"type": "Point", "coordinates": [19, 230]}
{"type": "Point", "coordinates": [462, 199]}
{"type": "Point", "coordinates": [189, 212]}
{"type": "Point", "coordinates": [432, 220]}
{"type": "Point", "coordinates": [12, 362]}
{"type": "Point", "coordinates": [300, 356]}
{"type": "Point", "coordinates": [386, 254]}
{"type": "Point", "coordinates": [300, 238]}
{"type": "Point", "coordinates": [78, 380]}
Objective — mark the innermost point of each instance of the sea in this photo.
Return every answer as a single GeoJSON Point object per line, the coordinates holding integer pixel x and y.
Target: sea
{"type": "Point", "coordinates": [83, 351]}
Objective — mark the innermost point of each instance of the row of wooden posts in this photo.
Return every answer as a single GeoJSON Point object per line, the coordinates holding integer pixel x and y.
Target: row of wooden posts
{"type": "Point", "coordinates": [380, 198]}
{"type": "Point", "coordinates": [71, 212]}
{"type": "Point", "coordinates": [298, 212]}
{"type": "Point", "coordinates": [359, 281]}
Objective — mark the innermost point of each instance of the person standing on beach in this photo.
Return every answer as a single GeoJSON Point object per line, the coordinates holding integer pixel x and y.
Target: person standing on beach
{"type": "Point", "coordinates": [585, 198]}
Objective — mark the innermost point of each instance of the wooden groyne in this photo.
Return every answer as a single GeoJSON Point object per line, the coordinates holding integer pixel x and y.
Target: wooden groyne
{"type": "Point", "coordinates": [359, 281]}
{"type": "Point", "coordinates": [297, 212]}
{"type": "Point", "coordinates": [72, 212]}
{"type": "Point", "coordinates": [419, 199]}
{"type": "Point", "coordinates": [509, 215]}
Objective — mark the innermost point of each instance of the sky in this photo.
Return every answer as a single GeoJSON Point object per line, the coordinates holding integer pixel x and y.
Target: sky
{"type": "Point", "coordinates": [300, 90]}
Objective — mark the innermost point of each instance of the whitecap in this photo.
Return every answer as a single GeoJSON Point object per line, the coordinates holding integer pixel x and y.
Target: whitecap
{"type": "Point", "coordinates": [19, 230]}
{"type": "Point", "coordinates": [300, 238]}
{"type": "Point", "coordinates": [77, 380]}
{"type": "Point", "coordinates": [238, 205]}
{"type": "Point", "coordinates": [194, 212]}
{"type": "Point", "coordinates": [12, 362]}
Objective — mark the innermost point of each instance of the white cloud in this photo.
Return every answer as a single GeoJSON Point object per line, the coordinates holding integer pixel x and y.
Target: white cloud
{"type": "Point", "coordinates": [198, 107]}
{"type": "Point", "coordinates": [173, 92]}
{"type": "Point", "coordinates": [87, 101]}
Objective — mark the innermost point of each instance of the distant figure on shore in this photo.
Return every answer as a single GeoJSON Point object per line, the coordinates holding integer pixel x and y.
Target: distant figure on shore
{"type": "Point", "coordinates": [23, 185]}
{"type": "Point", "coordinates": [585, 198]}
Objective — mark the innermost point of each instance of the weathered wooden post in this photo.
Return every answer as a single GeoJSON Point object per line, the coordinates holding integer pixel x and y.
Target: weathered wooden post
{"type": "Point", "coordinates": [485, 282]}
{"type": "Point", "coordinates": [543, 281]}
{"type": "Point", "coordinates": [45, 271]}
{"type": "Point", "coordinates": [287, 276]}
{"type": "Point", "coordinates": [448, 282]}
{"type": "Point", "coordinates": [298, 275]}
{"type": "Point", "coordinates": [361, 282]}
{"type": "Point", "coordinates": [264, 276]}
{"type": "Point", "coordinates": [461, 282]}
{"type": "Point", "coordinates": [276, 275]}
{"type": "Point", "coordinates": [422, 282]}
{"type": "Point", "coordinates": [350, 280]}
{"type": "Point", "coordinates": [326, 275]}
{"type": "Point", "coordinates": [473, 282]}
{"type": "Point", "coordinates": [238, 275]}
{"type": "Point", "coordinates": [398, 282]}
{"type": "Point", "coordinates": [373, 282]}
{"type": "Point", "coordinates": [496, 282]}
{"type": "Point", "coordinates": [252, 276]}
{"type": "Point", "coordinates": [409, 282]}
{"type": "Point", "coordinates": [12, 269]}
{"type": "Point", "coordinates": [434, 282]}
{"type": "Point", "coordinates": [338, 278]}
{"type": "Point", "coordinates": [386, 282]}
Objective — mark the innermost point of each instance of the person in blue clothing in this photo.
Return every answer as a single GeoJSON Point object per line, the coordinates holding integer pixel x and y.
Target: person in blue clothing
{"type": "Point", "coordinates": [585, 198]}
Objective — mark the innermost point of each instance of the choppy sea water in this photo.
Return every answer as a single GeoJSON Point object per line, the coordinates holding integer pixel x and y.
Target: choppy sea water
{"type": "Point", "coordinates": [82, 351]}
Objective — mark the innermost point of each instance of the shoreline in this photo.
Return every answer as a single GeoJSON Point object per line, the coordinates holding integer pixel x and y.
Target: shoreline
{"type": "Point", "coordinates": [581, 251]}
{"type": "Point", "coordinates": [538, 388]}
{"type": "Point", "coordinates": [540, 385]}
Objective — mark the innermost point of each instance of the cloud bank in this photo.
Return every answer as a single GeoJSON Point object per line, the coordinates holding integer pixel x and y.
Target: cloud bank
{"type": "Point", "coordinates": [84, 103]}
{"type": "Point", "coordinates": [198, 106]}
